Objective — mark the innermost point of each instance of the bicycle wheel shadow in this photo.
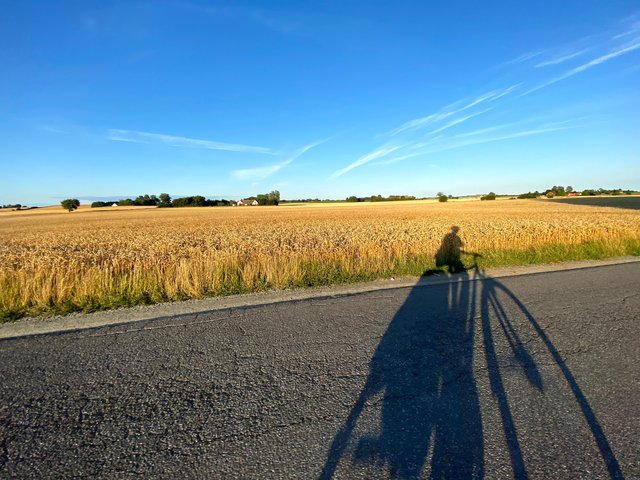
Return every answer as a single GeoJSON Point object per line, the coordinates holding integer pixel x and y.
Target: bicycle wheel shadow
{"type": "Point", "coordinates": [422, 382]}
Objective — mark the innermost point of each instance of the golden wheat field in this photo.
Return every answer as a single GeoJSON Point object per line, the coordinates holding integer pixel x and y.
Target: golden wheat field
{"type": "Point", "coordinates": [55, 262]}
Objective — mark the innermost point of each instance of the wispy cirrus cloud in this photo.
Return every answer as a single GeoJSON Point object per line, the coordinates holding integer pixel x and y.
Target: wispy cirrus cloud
{"type": "Point", "coordinates": [369, 157]}
{"type": "Point", "coordinates": [410, 127]}
{"type": "Point", "coordinates": [416, 143]}
{"type": "Point", "coordinates": [522, 58]}
{"type": "Point", "coordinates": [519, 124]}
{"type": "Point", "coordinates": [260, 173]}
{"type": "Point", "coordinates": [632, 26]}
{"type": "Point", "coordinates": [134, 136]}
{"type": "Point", "coordinates": [508, 136]}
{"type": "Point", "coordinates": [561, 59]}
{"type": "Point", "coordinates": [579, 47]}
{"type": "Point", "coordinates": [616, 52]}
{"type": "Point", "coordinates": [451, 110]}
{"type": "Point", "coordinates": [479, 139]}
{"type": "Point", "coordinates": [51, 129]}
{"type": "Point", "coordinates": [457, 121]}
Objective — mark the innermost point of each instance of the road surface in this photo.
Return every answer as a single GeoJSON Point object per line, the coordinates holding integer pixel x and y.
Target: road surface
{"type": "Point", "coordinates": [535, 376]}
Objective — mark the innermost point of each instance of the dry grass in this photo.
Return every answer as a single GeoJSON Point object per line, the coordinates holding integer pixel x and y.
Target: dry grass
{"type": "Point", "coordinates": [56, 261]}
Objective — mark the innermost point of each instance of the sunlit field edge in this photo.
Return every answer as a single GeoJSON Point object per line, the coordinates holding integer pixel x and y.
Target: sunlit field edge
{"type": "Point", "coordinates": [91, 260]}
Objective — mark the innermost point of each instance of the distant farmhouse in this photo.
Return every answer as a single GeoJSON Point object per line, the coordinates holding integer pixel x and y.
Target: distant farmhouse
{"type": "Point", "coordinates": [247, 202]}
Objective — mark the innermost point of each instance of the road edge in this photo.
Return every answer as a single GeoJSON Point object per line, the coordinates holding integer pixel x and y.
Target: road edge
{"type": "Point", "coordinates": [80, 321]}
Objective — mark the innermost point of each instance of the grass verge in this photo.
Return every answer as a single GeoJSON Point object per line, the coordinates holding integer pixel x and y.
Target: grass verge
{"type": "Point", "coordinates": [22, 297]}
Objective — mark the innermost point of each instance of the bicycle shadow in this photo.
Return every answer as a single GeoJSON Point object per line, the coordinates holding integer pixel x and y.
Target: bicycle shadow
{"type": "Point", "coordinates": [423, 372]}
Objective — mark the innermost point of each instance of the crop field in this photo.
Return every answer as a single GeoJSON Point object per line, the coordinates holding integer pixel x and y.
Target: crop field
{"type": "Point", "coordinates": [57, 262]}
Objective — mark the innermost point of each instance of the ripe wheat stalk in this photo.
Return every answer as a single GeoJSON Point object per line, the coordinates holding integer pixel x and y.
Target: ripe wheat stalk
{"type": "Point", "coordinates": [96, 259]}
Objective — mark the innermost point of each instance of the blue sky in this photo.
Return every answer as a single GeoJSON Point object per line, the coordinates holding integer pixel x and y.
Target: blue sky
{"type": "Point", "coordinates": [103, 99]}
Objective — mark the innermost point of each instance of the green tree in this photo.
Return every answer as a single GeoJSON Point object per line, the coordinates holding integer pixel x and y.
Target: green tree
{"type": "Point", "coordinates": [274, 197]}
{"type": "Point", "coordinates": [442, 197]}
{"type": "Point", "coordinates": [535, 194]}
{"type": "Point", "coordinates": [165, 200]}
{"type": "Point", "coordinates": [146, 200]}
{"type": "Point", "coordinates": [198, 201]}
{"type": "Point", "coordinates": [489, 196]}
{"type": "Point", "coordinates": [271, 198]}
{"type": "Point", "coordinates": [70, 204]}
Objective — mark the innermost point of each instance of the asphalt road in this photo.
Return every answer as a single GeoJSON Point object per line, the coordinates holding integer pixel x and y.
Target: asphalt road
{"type": "Point", "coordinates": [534, 376]}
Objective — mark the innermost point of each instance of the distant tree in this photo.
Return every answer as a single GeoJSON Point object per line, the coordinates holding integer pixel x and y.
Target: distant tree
{"type": "Point", "coordinates": [535, 194]}
{"type": "Point", "coordinates": [569, 189]}
{"type": "Point", "coordinates": [182, 202]}
{"type": "Point", "coordinates": [125, 202]}
{"type": "Point", "coordinates": [352, 198]}
{"type": "Point", "coordinates": [165, 200]}
{"type": "Point", "coordinates": [99, 204]}
{"type": "Point", "coordinates": [274, 197]}
{"type": "Point", "coordinates": [198, 201]}
{"type": "Point", "coordinates": [550, 194]}
{"type": "Point", "coordinates": [271, 198]}
{"type": "Point", "coordinates": [146, 200]}
{"type": "Point", "coordinates": [488, 196]}
{"type": "Point", "coordinates": [442, 197]}
{"type": "Point", "coordinates": [70, 204]}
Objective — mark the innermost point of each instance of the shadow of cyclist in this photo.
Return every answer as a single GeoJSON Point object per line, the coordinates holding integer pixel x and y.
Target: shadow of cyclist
{"type": "Point", "coordinates": [423, 370]}
{"type": "Point", "coordinates": [423, 385]}
{"type": "Point", "coordinates": [450, 251]}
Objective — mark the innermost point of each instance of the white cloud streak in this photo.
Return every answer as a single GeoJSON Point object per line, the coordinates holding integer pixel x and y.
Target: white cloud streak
{"type": "Point", "coordinates": [622, 50]}
{"type": "Point", "coordinates": [481, 131]}
{"type": "Point", "coordinates": [451, 110]}
{"type": "Point", "coordinates": [457, 121]}
{"type": "Point", "coordinates": [260, 173]}
{"type": "Point", "coordinates": [411, 125]}
{"type": "Point", "coordinates": [633, 22]}
{"type": "Point", "coordinates": [561, 59]}
{"type": "Point", "coordinates": [134, 136]}
{"type": "Point", "coordinates": [524, 133]}
{"type": "Point", "coordinates": [522, 58]}
{"type": "Point", "coordinates": [374, 155]}
{"type": "Point", "coordinates": [51, 129]}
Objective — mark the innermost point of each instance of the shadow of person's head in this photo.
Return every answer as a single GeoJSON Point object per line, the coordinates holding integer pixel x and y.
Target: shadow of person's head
{"type": "Point", "coordinates": [449, 253]}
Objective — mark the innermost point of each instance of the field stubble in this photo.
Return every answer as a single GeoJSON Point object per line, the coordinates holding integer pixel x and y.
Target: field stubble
{"type": "Point", "coordinates": [90, 260]}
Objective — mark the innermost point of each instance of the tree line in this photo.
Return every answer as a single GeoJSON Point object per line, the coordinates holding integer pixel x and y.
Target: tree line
{"type": "Point", "coordinates": [560, 191]}
{"type": "Point", "coordinates": [380, 198]}
{"type": "Point", "coordinates": [164, 200]}
{"type": "Point", "coordinates": [555, 191]}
